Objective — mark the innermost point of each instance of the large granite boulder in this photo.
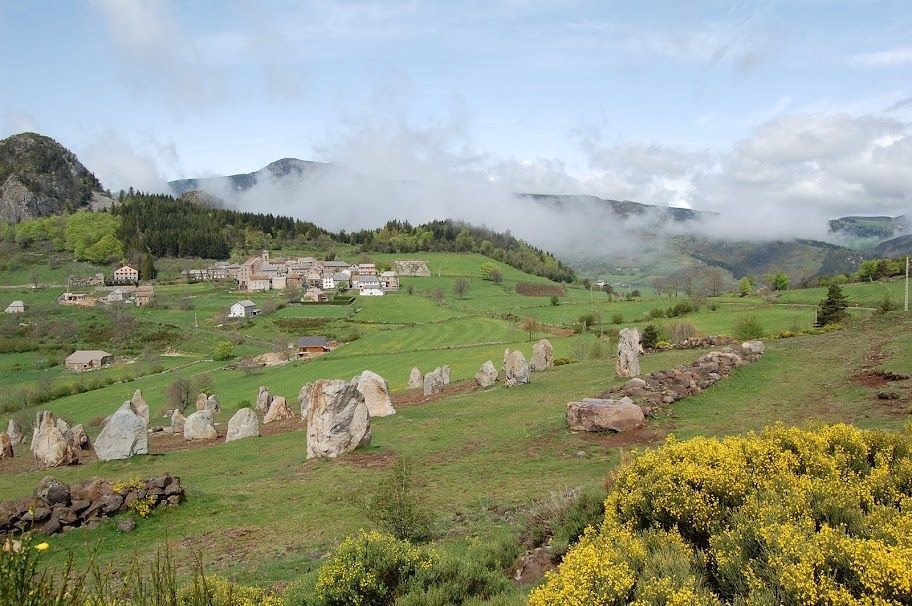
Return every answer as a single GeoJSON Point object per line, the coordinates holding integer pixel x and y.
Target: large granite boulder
{"type": "Point", "coordinates": [416, 380]}
{"type": "Point", "coordinates": [376, 394]}
{"type": "Point", "coordinates": [542, 356]}
{"type": "Point", "coordinates": [213, 405]}
{"type": "Point", "coordinates": [199, 426]}
{"type": "Point", "coordinates": [338, 420]}
{"type": "Point", "coordinates": [486, 375]}
{"type": "Point", "coordinates": [304, 399]}
{"type": "Point", "coordinates": [593, 414]}
{"type": "Point", "coordinates": [6, 447]}
{"type": "Point", "coordinates": [445, 372]}
{"type": "Point", "coordinates": [264, 399]}
{"type": "Point", "coordinates": [433, 382]}
{"type": "Point", "coordinates": [49, 445]}
{"type": "Point", "coordinates": [78, 438]}
{"type": "Point", "coordinates": [628, 354]}
{"type": "Point", "coordinates": [125, 434]}
{"type": "Point", "coordinates": [140, 406]}
{"type": "Point", "coordinates": [244, 424]}
{"type": "Point", "coordinates": [279, 410]}
{"type": "Point", "coordinates": [517, 370]}
{"type": "Point", "coordinates": [177, 421]}
{"type": "Point", "coordinates": [14, 431]}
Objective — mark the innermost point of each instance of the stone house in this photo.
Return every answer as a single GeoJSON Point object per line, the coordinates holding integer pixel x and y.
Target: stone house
{"type": "Point", "coordinates": [88, 359]}
{"type": "Point", "coordinates": [389, 280]}
{"type": "Point", "coordinates": [312, 345]}
{"type": "Point", "coordinates": [16, 307]}
{"type": "Point", "coordinates": [143, 295]}
{"type": "Point", "coordinates": [125, 275]}
{"type": "Point", "coordinates": [328, 281]}
{"type": "Point", "coordinates": [259, 283]}
{"type": "Point", "coordinates": [314, 295]}
{"type": "Point", "coordinates": [243, 309]}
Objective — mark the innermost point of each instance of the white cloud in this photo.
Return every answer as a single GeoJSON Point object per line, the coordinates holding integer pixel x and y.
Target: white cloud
{"type": "Point", "coordinates": [118, 164]}
{"type": "Point", "coordinates": [899, 56]}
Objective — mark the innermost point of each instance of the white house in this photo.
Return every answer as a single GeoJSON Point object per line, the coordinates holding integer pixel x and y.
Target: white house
{"type": "Point", "coordinates": [259, 283]}
{"type": "Point", "coordinates": [243, 309]}
{"type": "Point", "coordinates": [329, 281]}
{"type": "Point", "coordinates": [278, 282]}
{"type": "Point", "coordinates": [369, 286]}
{"type": "Point", "coordinates": [126, 274]}
{"type": "Point", "coordinates": [16, 307]}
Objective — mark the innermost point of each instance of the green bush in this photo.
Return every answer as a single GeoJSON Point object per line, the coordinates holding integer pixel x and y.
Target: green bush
{"type": "Point", "coordinates": [561, 361]}
{"type": "Point", "coordinates": [224, 350]}
{"type": "Point", "coordinates": [617, 319]}
{"type": "Point", "coordinates": [397, 507]}
{"type": "Point", "coordinates": [650, 337]}
{"type": "Point", "coordinates": [747, 328]}
{"type": "Point", "coordinates": [562, 517]}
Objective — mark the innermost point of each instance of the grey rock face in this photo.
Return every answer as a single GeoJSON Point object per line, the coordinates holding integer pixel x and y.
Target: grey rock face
{"type": "Point", "coordinates": [49, 445]}
{"type": "Point", "coordinates": [304, 399]}
{"type": "Point", "coordinates": [177, 421]}
{"type": "Point", "coordinates": [140, 406]}
{"type": "Point", "coordinates": [416, 380]}
{"type": "Point", "coordinates": [243, 424]}
{"type": "Point", "coordinates": [628, 354]}
{"type": "Point", "coordinates": [199, 426]}
{"type": "Point", "coordinates": [279, 410]}
{"type": "Point", "coordinates": [517, 370]}
{"type": "Point", "coordinates": [433, 382]}
{"type": "Point", "coordinates": [375, 390]}
{"type": "Point", "coordinates": [542, 356]}
{"type": "Point", "coordinates": [14, 431]}
{"type": "Point", "coordinates": [264, 399]}
{"type": "Point", "coordinates": [486, 375]}
{"type": "Point", "coordinates": [604, 415]}
{"type": "Point", "coordinates": [124, 435]}
{"type": "Point", "coordinates": [338, 420]}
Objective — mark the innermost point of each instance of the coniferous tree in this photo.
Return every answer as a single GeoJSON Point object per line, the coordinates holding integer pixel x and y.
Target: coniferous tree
{"type": "Point", "coordinates": [833, 308]}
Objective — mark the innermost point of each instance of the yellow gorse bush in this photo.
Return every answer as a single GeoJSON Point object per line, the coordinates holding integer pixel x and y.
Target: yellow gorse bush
{"type": "Point", "coordinates": [786, 516]}
{"type": "Point", "coordinates": [219, 592]}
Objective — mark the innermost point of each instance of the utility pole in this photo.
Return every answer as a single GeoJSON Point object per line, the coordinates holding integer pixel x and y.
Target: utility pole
{"type": "Point", "coordinates": [906, 306]}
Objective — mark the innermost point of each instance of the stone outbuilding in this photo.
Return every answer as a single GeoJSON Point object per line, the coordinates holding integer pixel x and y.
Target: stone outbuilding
{"type": "Point", "coordinates": [88, 359]}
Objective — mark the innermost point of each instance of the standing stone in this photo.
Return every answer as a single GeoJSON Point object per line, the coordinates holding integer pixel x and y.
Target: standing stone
{"type": "Point", "coordinates": [6, 447]}
{"type": "Point", "coordinates": [604, 415]}
{"type": "Point", "coordinates": [199, 426]}
{"type": "Point", "coordinates": [201, 401]}
{"type": "Point", "coordinates": [542, 356]}
{"type": "Point", "coordinates": [213, 405]}
{"type": "Point", "coordinates": [304, 399]}
{"type": "Point", "coordinates": [416, 381]}
{"type": "Point", "coordinates": [338, 420]}
{"type": "Point", "coordinates": [433, 382]}
{"type": "Point", "coordinates": [49, 445]}
{"type": "Point", "coordinates": [63, 426]}
{"type": "Point", "coordinates": [629, 350]}
{"type": "Point", "coordinates": [140, 406]}
{"type": "Point", "coordinates": [486, 375]}
{"type": "Point", "coordinates": [124, 434]}
{"type": "Point", "coordinates": [376, 394]}
{"type": "Point", "coordinates": [177, 421]}
{"type": "Point", "coordinates": [14, 431]}
{"type": "Point", "coordinates": [503, 367]}
{"type": "Point", "coordinates": [78, 438]}
{"type": "Point", "coordinates": [264, 399]}
{"type": "Point", "coordinates": [445, 371]}
{"type": "Point", "coordinates": [517, 371]}
{"type": "Point", "coordinates": [279, 410]}
{"type": "Point", "coordinates": [243, 424]}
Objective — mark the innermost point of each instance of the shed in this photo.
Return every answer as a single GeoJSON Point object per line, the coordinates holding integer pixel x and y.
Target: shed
{"type": "Point", "coordinates": [312, 345]}
{"type": "Point", "coordinates": [243, 309]}
{"type": "Point", "coordinates": [88, 359]}
{"type": "Point", "coordinates": [16, 307]}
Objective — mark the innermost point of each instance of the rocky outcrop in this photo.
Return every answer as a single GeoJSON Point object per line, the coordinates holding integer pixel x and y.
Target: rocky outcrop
{"type": "Point", "coordinates": [49, 445]}
{"type": "Point", "coordinates": [433, 382]}
{"type": "Point", "coordinates": [542, 356]}
{"type": "Point", "coordinates": [199, 426]}
{"type": "Point", "coordinates": [486, 375]}
{"type": "Point", "coordinates": [263, 400]}
{"type": "Point", "coordinates": [338, 420]}
{"type": "Point", "coordinates": [139, 405]}
{"type": "Point", "coordinates": [593, 414]}
{"type": "Point", "coordinates": [57, 507]}
{"type": "Point", "coordinates": [177, 422]}
{"type": "Point", "coordinates": [666, 386]}
{"type": "Point", "coordinates": [416, 380]}
{"type": "Point", "coordinates": [279, 410]}
{"type": "Point", "coordinates": [517, 370]}
{"type": "Point", "coordinates": [304, 399]}
{"type": "Point", "coordinates": [376, 394]}
{"type": "Point", "coordinates": [6, 447]}
{"type": "Point", "coordinates": [628, 354]}
{"type": "Point", "coordinates": [244, 424]}
{"type": "Point", "coordinates": [124, 435]}
{"type": "Point", "coordinates": [14, 431]}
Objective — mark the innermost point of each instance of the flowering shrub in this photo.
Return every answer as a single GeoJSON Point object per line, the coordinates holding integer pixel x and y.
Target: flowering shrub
{"type": "Point", "coordinates": [214, 591]}
{"type": "Point", "coordinates": [786, 516]}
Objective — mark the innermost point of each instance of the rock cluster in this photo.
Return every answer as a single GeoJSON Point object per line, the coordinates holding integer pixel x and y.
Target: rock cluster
{"type": "Point", "coordinates": [49, 445]}
{"type": "Point", "coordinates": [592, 414]}
{"type": "Point", "coordinates": [210, 403]}
{"type": "Point", "coordinates": [666, 386]}
{"type": "Point", "coordinates": [279, 410]}
{"type": "Point", "coordinates": [628, 354]}
{"type": "Point", "coordinates": [542, 356]}
{"type": "Point", "coordinates": [125, 433]}
{"type": "Point", "coordinates": [486, 375]}
{"type": "Point", "coordinates": [337, 420]}
{"type": "Point", "coordinates": [516, 370]}
{"type": "Point", "coordinates": [57, 507]}
{"type": "Point", "coordinates": [433, 382]}
{"type": "Point", "coordinates": [375, 390]}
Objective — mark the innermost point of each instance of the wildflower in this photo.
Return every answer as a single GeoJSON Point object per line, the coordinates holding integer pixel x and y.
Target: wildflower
{"type": "Point", "coordinates": [42, 546]}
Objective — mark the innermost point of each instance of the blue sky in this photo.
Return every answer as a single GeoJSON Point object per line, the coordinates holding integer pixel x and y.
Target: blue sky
{"type": "Point", "coordinates": [667, 102]}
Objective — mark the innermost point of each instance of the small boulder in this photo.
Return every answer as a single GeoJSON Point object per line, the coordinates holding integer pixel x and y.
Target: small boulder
{"type": "Point", "coordinates": [201, 401]}
{"type": "Point", "coordinates": [78, 438]}
{"type": "Point", "coordinates": [6, 447]}
{"type": "Point", "coordinates": [433, 382]}
{"type": "Point", "coordinates": [635, 383]}
{"type": "Point", "coordinates": [416, 380]}
{"type": "Point", "coordinates": [279, 410]}
{"type": "Point", "coordinates": [14, 431]}
{"type": "Point", "coordinates": [50, 447]}
{"type": "Point", "coordinates": [124, 435]}
{"type": "Point", "coordinates": [628, 353]}
{"type": "Point", "coordinates": [445, 371]}
{"type": "Point", "coordinates": [486, 375]}
{"type": "Point", "coordinates": [338, 420]}
{"type": "Point", "coordinates": [199, 426]}
{"type": "Point", "coordinates": [542, 356]}
{"type": "Point", "coordinates": [177, 421]}
{"type": "Point", "coordinates": [243, 424]}
{"type": "Point", "coordinates": [594, 414]}
{"type": "Point", "coordinates": [213, 405]}
{"type": "Point", "coordinates": [376, 394]}
{"type": "Point", "coordinates": [304, 399]}
{"type": "Point", "coordinates": [140, 406]}
{"type": "Point", "coordinates": [517, 371]}
{"type": "Point", "coordinates": [126, 524]}
{"type": "Point", "coordinates": [263, 400]}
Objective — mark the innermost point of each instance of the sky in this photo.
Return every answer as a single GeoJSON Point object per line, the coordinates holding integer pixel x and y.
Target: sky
{"type": "Point", "coordinates": [776, 113]}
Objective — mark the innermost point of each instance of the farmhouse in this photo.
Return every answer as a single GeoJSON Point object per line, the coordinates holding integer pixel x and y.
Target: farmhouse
{"type": "Point", "coordinates": [125, 275]}
{"type": "Point", "coordinates": [329, 281]}
{"type": "Point", "coordinates": [364, 269]}
{"type": "Point", "coordinates": [259, 283]}
{"type": "Point", "coordinates": [311, 345]}
{"type": "Point", "coordinates": [389, 280]}
{"type": "Point", "coordinates": [342, 279]}
{"type": "Point", "coordinates": [243, 309]}
{"type": "Point", "coordinates": [16, 307]}
{"type": "Point", "coordinates": [88, 359]}
{"type": "Point", "coordinates": [314, 295]}
{"type": "Point", "coordinates": [143, 295]}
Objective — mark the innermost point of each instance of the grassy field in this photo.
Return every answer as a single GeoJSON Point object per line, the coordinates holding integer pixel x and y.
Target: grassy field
{"type": "Point", "coordinates": [258, 510]}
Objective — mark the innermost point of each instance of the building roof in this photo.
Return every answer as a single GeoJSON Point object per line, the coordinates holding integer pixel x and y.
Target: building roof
{"type": "Point", "coordinates": [312, 341]}
{"type": "Point", "coordinates": [84, 356]}
{"type": "Point", "coordinates": [144, 289]}
{"type": "Point", "coordinates": [341, 276]}
{"type": "Point", "coordinates": [389, 274]}
{"type": "Point", "coordinates": [17, 303]}
{"type": "Point", "coordinates": [246, 303]}
{"type": "Point", "coordinates": [123, 267]}
{"type": "Point", "coordinates": [371, 279]}
{"type": "Point", "coordinates": [336, 264]}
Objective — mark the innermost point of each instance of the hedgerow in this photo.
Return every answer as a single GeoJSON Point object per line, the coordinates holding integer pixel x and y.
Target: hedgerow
{"type": "Point", "coordinates": [786, 516]}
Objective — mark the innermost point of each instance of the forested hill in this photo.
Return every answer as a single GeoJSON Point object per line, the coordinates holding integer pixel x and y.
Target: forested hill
{"type": "Point", "coordinates": [162, 226]}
